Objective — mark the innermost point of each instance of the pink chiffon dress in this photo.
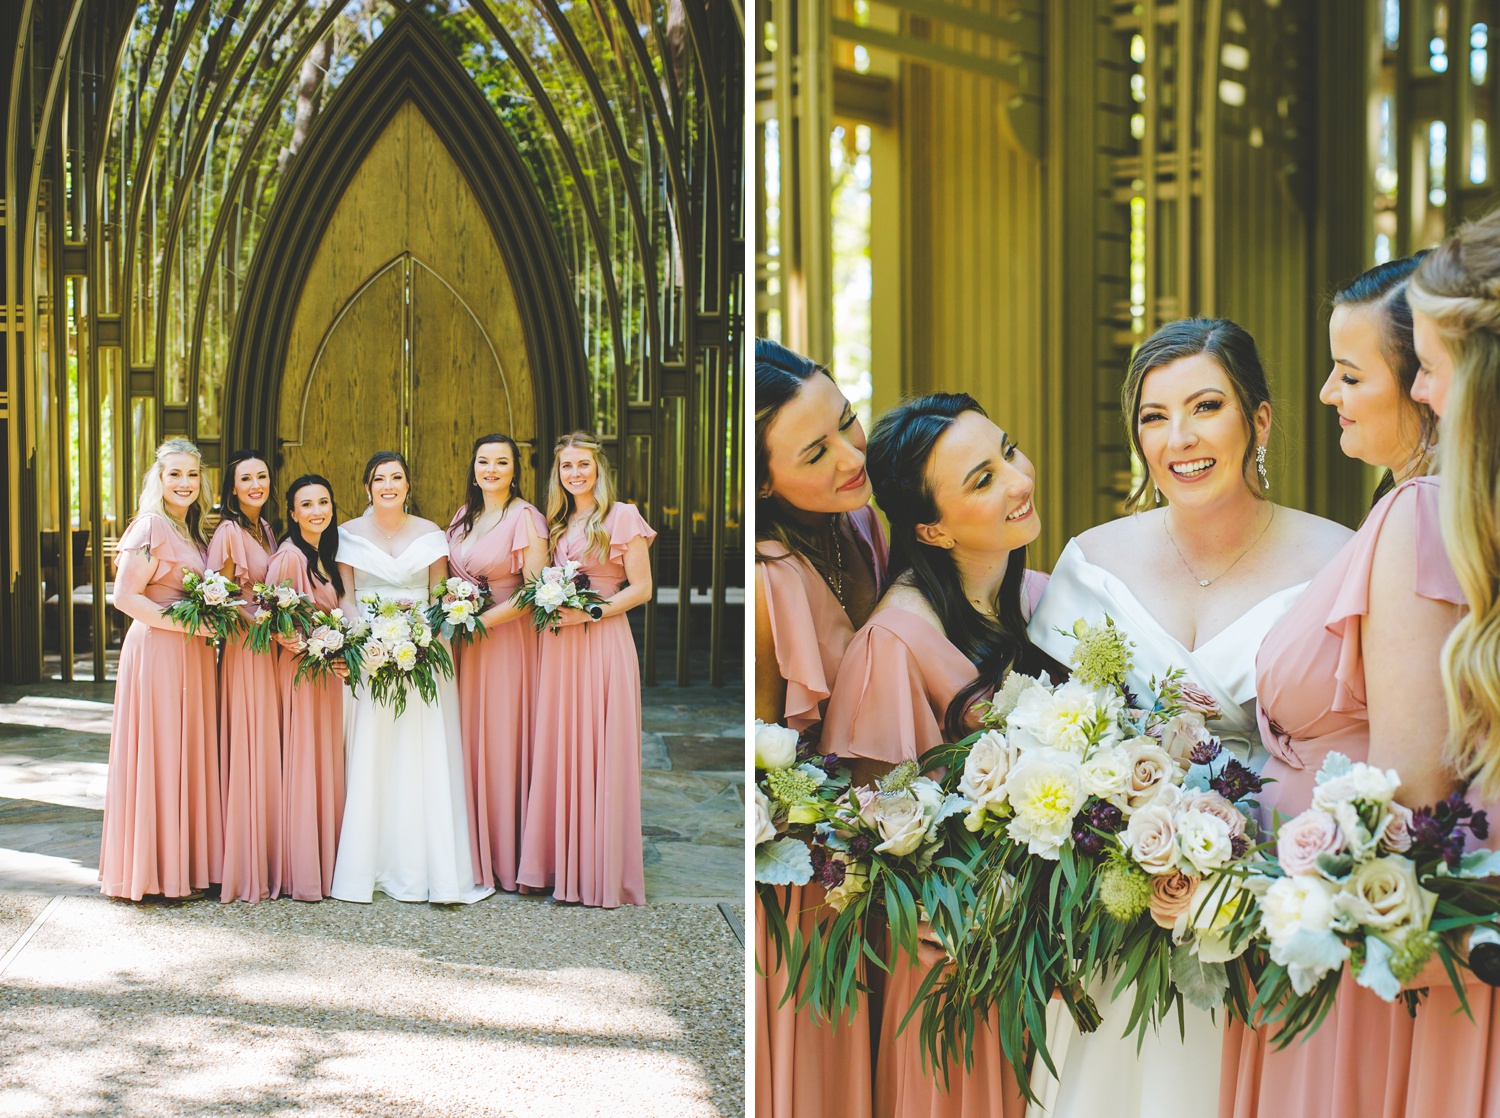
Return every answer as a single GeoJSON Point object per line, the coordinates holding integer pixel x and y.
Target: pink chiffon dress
{"type": "Point", "coordinates": [582, 837]}
{"type": "Point", "coordinates": [899, 675]}
{"type": "Point", "coordinates": [497, 678]}
{"type": "Point", "coordinates": [796, 1057]}
{"type": "Point", "coordinates": [1368, 1059]}
{"type": "Point", "coordinates": [162, 824]}
{"type": "Point", "coordinates": [249, 734]}
{"type": "Point", "coordinates": [312, 750]}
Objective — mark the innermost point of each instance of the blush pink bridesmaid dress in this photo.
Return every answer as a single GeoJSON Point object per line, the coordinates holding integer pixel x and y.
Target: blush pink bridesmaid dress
{"type": "Point", "coordinates": [898, 677]}
{"type": "Point", "coordinates": [497, 679]}
{"type": "Point", "coordinates": [582, 837]}
{"type": "Point", "coordinates": [1368, 1059]}
{"type": "Point", "coordinates": [249, 734]}
{"type": "Point", "coordinates": [794, 1055]}
{"type": "Point", "coordinates": [312, 750]}
{"type": "Point", "coordinates": [162, 824]}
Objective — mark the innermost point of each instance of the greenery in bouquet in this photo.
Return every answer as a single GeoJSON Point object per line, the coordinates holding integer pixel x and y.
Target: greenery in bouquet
{"type": "Point", "coordinates": [1359, 879]}
{"type": "Point", "coordinates": [209, 600]}
{"type": "Point", "coordinates": [279, 611]}
{"type": "Point", "coordinates": [400, 653]}
{"type": "Point", "coordinates": [556, 588]}
{"type": "Point", "coordinates": [1105, 840]}
{"type": "Point", "coordinates": [456, 607]}
{"type": "Point", "coordinates": [329, 639]}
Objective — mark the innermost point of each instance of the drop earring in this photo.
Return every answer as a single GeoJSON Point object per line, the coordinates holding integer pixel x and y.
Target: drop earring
{"type": "Point", "coordinates": [1260, 467]}
{"type": "Point", "coordinates": [1157, 492]}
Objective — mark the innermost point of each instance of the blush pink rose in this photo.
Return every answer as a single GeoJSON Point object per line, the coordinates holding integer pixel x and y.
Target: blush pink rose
{"type": "Point", "coordinates": [1171, 894]}
{"type": "Point", "coordinates": [1196, 699]}
{"type": "Point", "coordinates": [1211, 803]}
{"type": "Point", "coordinates": [1397, 837]}
{"type": "Point", "coordinates": [1301, 840]}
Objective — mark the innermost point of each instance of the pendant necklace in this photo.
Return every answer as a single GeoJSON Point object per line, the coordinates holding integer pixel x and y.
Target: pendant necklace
{"type": "Point", "coordinates": [1226, 570]}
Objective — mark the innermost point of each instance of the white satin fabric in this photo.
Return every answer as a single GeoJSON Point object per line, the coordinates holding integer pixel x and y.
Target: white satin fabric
{"type": "Point", "coordinates": [1171, 1075]}
{"type": "Point", "coordinates": [406, 827]}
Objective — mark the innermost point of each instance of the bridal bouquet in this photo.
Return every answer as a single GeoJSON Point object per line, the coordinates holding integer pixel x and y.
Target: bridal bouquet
{"type": "Point", "coordinates": [399, 652]}
{"type": "Point", "coordinates": [1357, 878]}
{"type": "Point", "coordinates": [456, 606]}
{"type": "Point", "coordinates": [208, 599]}
{"type": "Point", "coordinates": [555, 588]}
{"type": "Point", "coordinates": [330, 638]}
{"type": "Point", "coordinates": [280, 611]}
{"type": "Point", "coordinates": [1106, 836]}
{"type": "Point", "coordinates": [873, 849]}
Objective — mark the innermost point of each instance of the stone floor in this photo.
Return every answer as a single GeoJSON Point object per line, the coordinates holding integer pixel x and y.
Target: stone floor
{"type": "Point", "coordinates": [512, 1006]}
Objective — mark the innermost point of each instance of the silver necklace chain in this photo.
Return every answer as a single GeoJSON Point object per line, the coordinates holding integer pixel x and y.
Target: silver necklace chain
{"type": "Point", "coordinates": [1226, 570]}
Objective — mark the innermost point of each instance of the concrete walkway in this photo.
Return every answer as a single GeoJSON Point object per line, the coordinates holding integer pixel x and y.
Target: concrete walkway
{"type": "Point", "coordinates": [514, 1006]}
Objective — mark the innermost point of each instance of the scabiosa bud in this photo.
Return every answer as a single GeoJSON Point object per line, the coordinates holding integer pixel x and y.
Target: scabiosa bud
{"type": "Point", "coordinates": [831, 764]}
{"type": "Point", "coordinates": [1235, 782]}
{"type": "Point", "coordinates": [860, 846]}
{"type": "Point", "coordinates": [1411, 955]}
{"type": "Point", "coordinates": [832, 874]}
{"type": "Point", "coordinates": [1105, 816]}
{"type": "Point", "coordinates": [1238, 845]}
{"type": "Point", "coordinates": [1124, 892]}
{"type": "Point", "coordinates": [1206, 752]}
{"type": "Point", "coordinates": [1086, 841]}
{"type": "Point", "coordinates": [818, 856]}
{"type": "Point", "coordinates": [1426, 830]}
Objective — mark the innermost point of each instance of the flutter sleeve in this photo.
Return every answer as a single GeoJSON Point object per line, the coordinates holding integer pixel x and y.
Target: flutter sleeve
{"type": "Point", "coordinates": [880, 710]}
{"type": "Point", "coordinates": [799, 655]}
{"type": "Point", "coordinates": [145, 533]}
{"type": "Point", "coordinates": [520, 539]}
{"type": "Point", "coordinates": [289, 565]}
{"type": "Point", "coordinates": [1435, 581]}
{"type": "Point", "coordinates": [230, 545]}
{"type": "Point", "coordinates": [625, 524]}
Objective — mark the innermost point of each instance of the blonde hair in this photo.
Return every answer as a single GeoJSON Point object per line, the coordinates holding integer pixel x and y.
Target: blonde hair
{"type": "Point", "coordinates": [152, 492]}
{"type": "Point", "coordinates": [1457, 286]}
{"type": "Point", "coordinates": [560, 501]}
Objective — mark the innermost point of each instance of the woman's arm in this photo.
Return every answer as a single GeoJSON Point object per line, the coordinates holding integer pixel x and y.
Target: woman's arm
{"type": "Point", "coordinates": [1401, 639]}
{"type": "Point", "coordinates": [349, 603]}
{"type": "Point", "coordinates": [437, 571]}
{"type": "Point", "coordinates": [638, 592]}
{"type": "Point", "coordinates": [135, 571]}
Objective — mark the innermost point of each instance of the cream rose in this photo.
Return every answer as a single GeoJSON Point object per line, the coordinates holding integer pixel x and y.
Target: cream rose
{"type": "Point", "coordinates": [856, 881]}
{"type": "Point", "coordinates": [286, 596]}
{"type": "Point", "coordinates": [1151, 769]}
{"type": "Point", "coordinates": [1171, 895]}
{"type": "Point", "coordinates": [1181, 735]}
{"type": "Point", "coordinates": [1302, 839]}
{"type": "Point", "coordinates": [765, 830]}
{"type": "Point", "coordinates": [902, 821]}
{"type": "Point", "coordinates": [1211, 803]}
{"type": "Point", "coordinates": [374, 654]}
{"type": "Point", "coordinates": [214, 592]}
{"type": "Point", "coordinates": [775, 746]}
{"type": "Point", "coordinates": [1302, 902]}
{"type": "Point", "coordinates": [1151, 838]}
{"type": "Point", "coordinates": [1383, 894]}
{"type": "Point", "coordinates": [988, 764]}
{"type": "Point", "coordinates": [1106, 773]}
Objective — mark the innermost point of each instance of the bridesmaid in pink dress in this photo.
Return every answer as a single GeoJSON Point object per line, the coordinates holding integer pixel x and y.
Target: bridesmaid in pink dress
{"type": "Point", "coordinates": [497, 537]}
{"type": "Point", "coordinates": [812, 516]}
{"type": "Point", "coordinates": [249, 717]}
{"type": "Point", "coordinates": [312, 713]}
{"type": "Point", "coordinates": [583, 810]}
{"type": "Point", "coordinates": [1353, 668]}
{"type": "Point", "coordinates": [162, 833]}
{"type": "Point", "coordinates": [957, 494]}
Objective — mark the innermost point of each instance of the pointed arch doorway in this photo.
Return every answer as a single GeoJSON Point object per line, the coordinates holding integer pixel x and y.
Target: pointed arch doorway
{"type": "Point", "coordinates": [407, 334]}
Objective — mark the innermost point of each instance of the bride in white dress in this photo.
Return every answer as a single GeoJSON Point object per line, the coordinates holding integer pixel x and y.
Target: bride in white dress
{"type": "Point", "coordinates": [1195, 585]}
{"type": "Point", "coordinates": [405, 829]}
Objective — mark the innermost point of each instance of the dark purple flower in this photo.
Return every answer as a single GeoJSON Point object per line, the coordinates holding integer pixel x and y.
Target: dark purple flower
{"type": "Point", "coordinates": [1238, 845]}
{"type": "Point", "coordinates": [1206, 752]}
{"type": "Point", "coordinates": [831, 764]}
{"type": "Point", "coordinates": [832, 874]}
{"type": "Point", "coordinates": [1130, 697]}
{"type": "Point", "coordinates": [1480, 825]}
{"type": "Point", "coordinates": [861, 845]}
{"type": "Point", "coordinates": [1453, 851]}
{"type": "Point", "coordinates": [818, 856]}
{"type": "Point", "coordinates": [1105, 816]}
{"type": "Point", "coordinates": [1087, 841]}
{"type": "Point", "coordinates": [1235, 782]}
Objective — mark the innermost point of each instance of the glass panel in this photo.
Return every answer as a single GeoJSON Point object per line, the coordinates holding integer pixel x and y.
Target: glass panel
{"type": "Point", "coordinates": [143, 440]}
{"type": "Point", "coordinates": [112, 475]}
{"type": "Point", "coordinates": [80, 477]}
{"type": "Point", "coordinates": [850, 155]}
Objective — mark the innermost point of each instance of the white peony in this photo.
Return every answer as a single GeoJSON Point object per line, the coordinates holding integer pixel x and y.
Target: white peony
{"type": "Point", "coordinates": [389, 630]}
{"type": "Point", "coordinates": [1209, 914]}
{"type": "Point", "coordinates": [549, 595]}
{"type": "Point", "coordinates": [775, 746]}
{"type": "Point", "coordinates": [1068, 718]}
{"type": "Point", "coordinates": [988, 764]}
{"type": "Point", "coordinates": [1106, 772]}
{"type": "Point", "coordinates": [460, 611]}
{"type": "Point", "coordinates": [1302, 902]}
{"type": "Point", "coordinates": [1204, 840]}
{"type": "Point", "coordinates": [765, 830]}
{"type": "Point", "coordinates": [1045, 790]}
{"type": "Point", "coordinates": [405, 655]}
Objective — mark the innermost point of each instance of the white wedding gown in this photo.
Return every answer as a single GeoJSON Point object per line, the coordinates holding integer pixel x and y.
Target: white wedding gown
{"type": "Point", "coordinates": [406, 826]}
{"type": "Point", "coordinates": [1172, 1075]}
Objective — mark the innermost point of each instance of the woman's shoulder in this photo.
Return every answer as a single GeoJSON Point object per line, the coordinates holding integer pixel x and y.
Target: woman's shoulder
{"type": "Point", "coordinates": [904, 611]}
{"type": "Point", "coordinates": [1307, 543]}
{"type": "Point", "coordinates": [1103, 539]}
{"type": "Point", "coordinates": [424, 526]}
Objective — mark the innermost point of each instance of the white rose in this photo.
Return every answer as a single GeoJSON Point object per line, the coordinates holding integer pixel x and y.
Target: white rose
{"type": "Point", "coordinates": [329, 637]}
{"type": "Point", "coordinates": [214, 593]}
{"type": "Point", "coordinates": [1045, 791]}
{"type": "Point", "coordinates": [1362, 782]}
{"type": "Point", "coordinates": [286, 596]}
{"type": "Point", "coordinates": [549, 595]}
{"type": "Point", "coordinates": [1151, 770]}
{"type": "Point", "coordinates": [903, 821]}
{"type": "Point", "coordinates": [1383, 894]}
{"type": "Point", "coordinates": [765, 830]}
{"type": "Point", "coordinates": [461, 590]}
{"type": "Point", "coordinates": [1301, 902]}
{"type": "Point", "coordinates": [1106, 773]}
{"type": "Point", "coordinates": [1182, 734]}
{"type": "Point", "coordinates": [775, 746]}
{"type": "Point", "coordinates": [1204, 840]}
{"type": "Point", "coordinates": [374, 654]}
{"type": "Point", "coordinates": [988, 764]}
{"type": "Point", "coordinates": [405, 655]}
{"type": "Point", "coordinates": [1151, 838]}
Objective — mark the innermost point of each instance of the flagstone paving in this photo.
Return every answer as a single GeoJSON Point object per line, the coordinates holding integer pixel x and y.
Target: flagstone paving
{"type": "Point", "coordinates": [514, 1006]}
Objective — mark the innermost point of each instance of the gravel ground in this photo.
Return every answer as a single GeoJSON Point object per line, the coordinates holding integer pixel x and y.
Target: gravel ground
{"type": "Point", "coordinates": [515, 1006]}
